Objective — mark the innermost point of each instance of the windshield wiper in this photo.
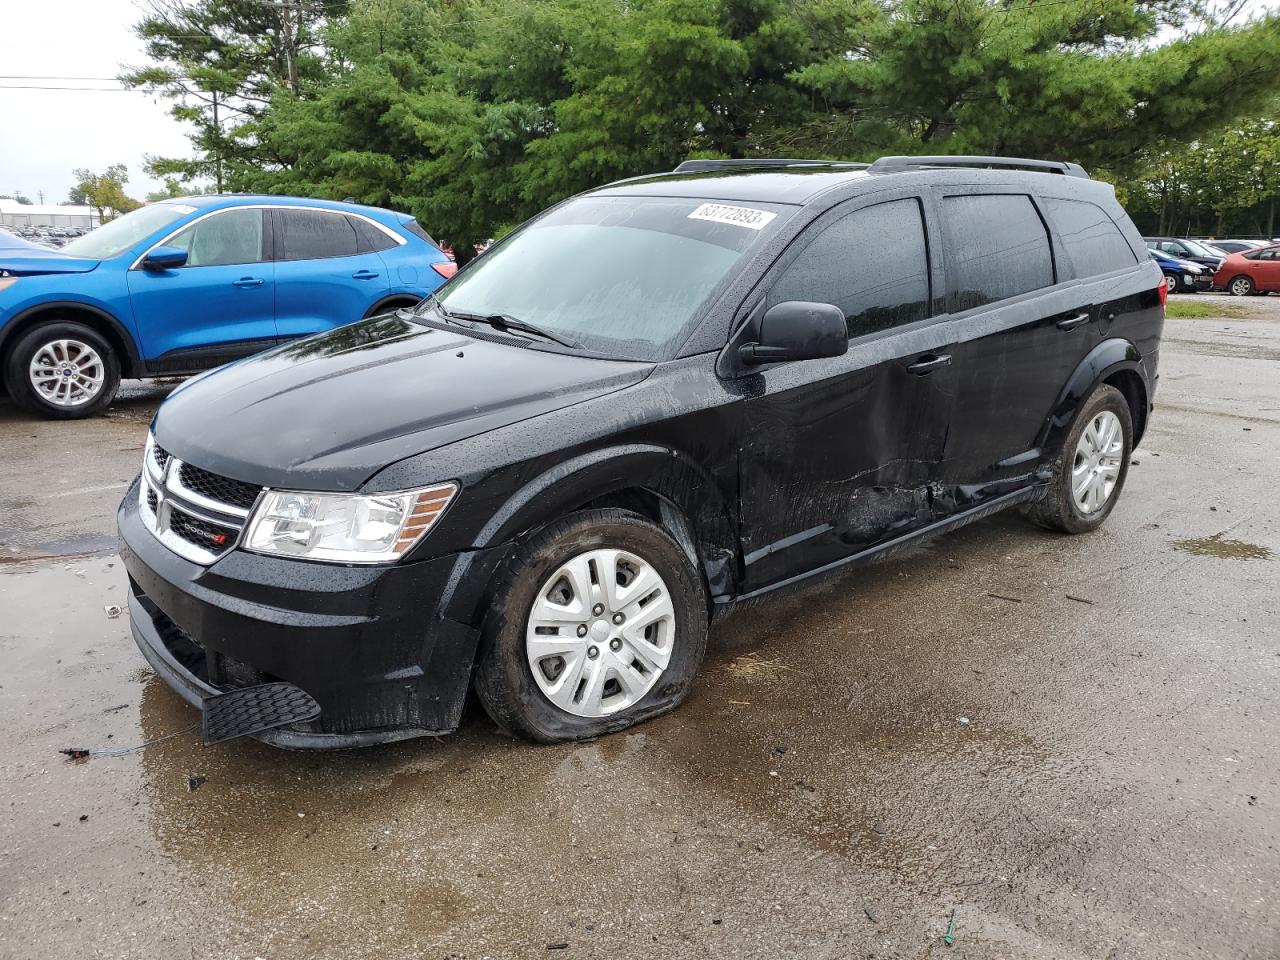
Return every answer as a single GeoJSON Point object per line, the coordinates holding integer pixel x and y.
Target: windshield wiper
{"type": "Point", "coordinates": [504, 321]}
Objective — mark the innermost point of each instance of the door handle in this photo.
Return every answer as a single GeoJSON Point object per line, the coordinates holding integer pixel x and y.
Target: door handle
{"type": "Point", "coordinates": [928, 363]}
{"type": "Point", "coordinates": [248, 282]}
{"type": "Point", "coordinates": [1070, 323]}
{"type": "Point", "coordinates": [364, 275]}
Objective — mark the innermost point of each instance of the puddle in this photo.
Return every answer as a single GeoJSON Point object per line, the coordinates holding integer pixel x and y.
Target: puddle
{"type": "Point", "coordinates": [1216, 546]}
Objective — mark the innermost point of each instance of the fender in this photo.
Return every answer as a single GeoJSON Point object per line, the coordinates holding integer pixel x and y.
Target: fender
{"type": "Point", "coordinates": [130, 363]}
{"type": "Point", "coordinates": [662, 471]}
{"type": "Point", "coordinates": [1101, 362]}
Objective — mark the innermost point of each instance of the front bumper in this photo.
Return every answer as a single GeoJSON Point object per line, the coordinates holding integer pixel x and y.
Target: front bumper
{"type": "Point", "coordinates": [387, 652]}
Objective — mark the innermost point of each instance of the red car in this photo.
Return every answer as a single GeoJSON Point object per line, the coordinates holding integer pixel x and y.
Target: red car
{"type": "Point", "coordinates": [1250, 271]}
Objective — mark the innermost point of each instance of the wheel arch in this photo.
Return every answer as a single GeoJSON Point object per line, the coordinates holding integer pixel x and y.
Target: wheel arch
{"type": "Point", "coordinates": [95, 318]}
{"type": "Point", "coordinates": [657, 482]}
{"type": "Point", "coordinates": [1116, 362]}
{"type": "Point", "coordinates": [392, 301]}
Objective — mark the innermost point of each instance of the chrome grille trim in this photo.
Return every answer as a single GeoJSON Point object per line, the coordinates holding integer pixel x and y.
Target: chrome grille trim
{"type": "Point", "coordinates": [161, 480]}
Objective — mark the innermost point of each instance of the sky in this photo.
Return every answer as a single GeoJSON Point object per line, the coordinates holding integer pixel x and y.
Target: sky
{"type": "Point", "coordinates": [45, 134]}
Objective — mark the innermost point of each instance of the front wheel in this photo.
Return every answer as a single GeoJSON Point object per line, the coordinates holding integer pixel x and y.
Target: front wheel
{"type": "Point", "coordinates": [1171, 282]}
{"type": "Point", "coordinates": [1241, 287]}
{"type": "Point", "coordinates": [1091, 467]}
{"type": "Point", "coordinates": [598, 622]}
{"type": "Point", "coordinates": [63, 371]}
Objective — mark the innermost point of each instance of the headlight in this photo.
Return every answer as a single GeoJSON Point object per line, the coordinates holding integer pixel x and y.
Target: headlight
{"type": "Point", "coordinates": [345, 527]}
{"type": "Point", "coordinates": [1193, 269]}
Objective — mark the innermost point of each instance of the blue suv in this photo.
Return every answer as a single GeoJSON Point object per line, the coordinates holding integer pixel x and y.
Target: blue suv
{"type": "Point", "coordinates": [184, 285]}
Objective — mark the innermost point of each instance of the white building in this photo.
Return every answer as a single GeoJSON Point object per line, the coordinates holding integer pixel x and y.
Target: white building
{"type": "Point", "coordinates": [15, 214]}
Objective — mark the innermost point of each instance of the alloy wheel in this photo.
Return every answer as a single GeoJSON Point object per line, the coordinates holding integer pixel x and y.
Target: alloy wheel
{"type": "Point", "coordinates": [1097, 462]}
{"type": "Point", "coordinates": [1171, 283]}
{"type": "Point", "coordinates": [67, 373]}
{"type": "Point", "coordinates": [600, 632]}
{"type": "Point", "coordinates": [1241, 286]}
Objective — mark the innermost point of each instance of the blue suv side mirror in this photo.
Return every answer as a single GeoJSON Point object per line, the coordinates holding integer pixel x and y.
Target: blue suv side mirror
{"type": "Point", "coordinates": [164, 258]}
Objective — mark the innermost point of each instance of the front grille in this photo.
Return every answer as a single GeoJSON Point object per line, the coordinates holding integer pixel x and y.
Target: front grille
{"type": "Point", "coordinates": [195, 513]}
{"type": "Point", "coordinates": [209, 536]}
{"type": "Point", "coordinates": [215, 487]}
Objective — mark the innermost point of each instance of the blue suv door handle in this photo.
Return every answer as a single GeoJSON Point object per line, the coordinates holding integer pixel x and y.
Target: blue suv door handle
{"type": "Point", "coordinates": [364, 275]}
{"type": "Point", "coordinates": [248, 282]}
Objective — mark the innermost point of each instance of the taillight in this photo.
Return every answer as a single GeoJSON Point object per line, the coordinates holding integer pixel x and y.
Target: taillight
{"type": "Point", "coordinates": [446, 269]}
{"type": "Point", "coordinates": [1164, 292]}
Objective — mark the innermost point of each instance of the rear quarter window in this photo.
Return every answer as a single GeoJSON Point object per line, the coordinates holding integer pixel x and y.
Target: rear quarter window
{"type": "Point", "coordinates": [997, 247]}
{"type": "Point", "coordinates": [412, 226]}
{"type": "Point", "coordinates": [1093, 242]}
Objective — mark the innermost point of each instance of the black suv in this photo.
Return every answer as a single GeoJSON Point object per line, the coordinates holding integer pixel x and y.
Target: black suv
{"type": "Point", "coordinates": [651, 402]}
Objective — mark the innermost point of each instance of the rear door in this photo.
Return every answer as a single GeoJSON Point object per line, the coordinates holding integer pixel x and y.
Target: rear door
{"type": "Point", "coordinates": [839, 454]}
{"type": "Point", "coordinates": [1024, 320]}
{"type": "Point", "coordinates": [220, 305]}
{"type": "Point", "coordinates": [326, 273]}
{"type": "Point", "coordinates": [1266, 269]}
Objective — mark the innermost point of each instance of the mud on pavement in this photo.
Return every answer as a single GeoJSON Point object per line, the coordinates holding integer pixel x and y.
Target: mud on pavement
{"type": "Point", "coordinates": [1072, 743]}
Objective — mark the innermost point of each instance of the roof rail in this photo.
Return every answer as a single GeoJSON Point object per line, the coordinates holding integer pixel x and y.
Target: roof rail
{"type": "Point", "coordinates": [704, 166]}
{"type": "Point", "coordinates": [903, 164]}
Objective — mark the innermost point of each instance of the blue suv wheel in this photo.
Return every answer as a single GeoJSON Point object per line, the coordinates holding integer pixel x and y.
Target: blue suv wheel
{"type": "Point", "coordinates": [62, 370]}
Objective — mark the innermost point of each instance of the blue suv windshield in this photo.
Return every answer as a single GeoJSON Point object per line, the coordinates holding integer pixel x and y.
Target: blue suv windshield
{"type": "Point", "coordinates": [118, 235]}
{"type": "Point", "coordinates": [622, 276]}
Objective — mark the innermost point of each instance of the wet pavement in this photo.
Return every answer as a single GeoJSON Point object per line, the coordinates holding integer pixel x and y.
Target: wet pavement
{"type": "Point", "coordinates": [1072, 743]}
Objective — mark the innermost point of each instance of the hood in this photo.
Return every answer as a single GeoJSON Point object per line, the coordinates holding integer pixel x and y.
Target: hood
{"type": "Point", "coordinates": [328, 412]}
{"type": "Point", "coordinates": [31, 260]}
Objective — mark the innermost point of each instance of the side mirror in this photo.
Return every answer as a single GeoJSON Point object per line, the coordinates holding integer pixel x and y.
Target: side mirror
{"type": "Point", "coordinates": [164, 258]}
{"type": "Point", "coordinates": [798, 330]}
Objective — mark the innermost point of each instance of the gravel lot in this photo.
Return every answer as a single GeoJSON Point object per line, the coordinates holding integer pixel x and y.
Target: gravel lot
{"type": "Point", "coordinates": [1072, 743]}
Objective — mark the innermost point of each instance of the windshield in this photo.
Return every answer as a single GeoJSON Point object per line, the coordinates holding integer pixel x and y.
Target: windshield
{"type": "Point", "coordinates": [1203, 249]}
{"type": "Point", "coordinates": [622, 276]}
{"type": "Point", "coordinates": [123, 232]}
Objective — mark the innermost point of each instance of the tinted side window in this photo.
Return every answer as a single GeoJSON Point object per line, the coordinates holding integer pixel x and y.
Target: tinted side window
{"type": "Point", "coordinates": [873, 264]}
{"type": "Point", "coordinates": [312, 235]}
{"type": "Point", "coordinates": [234, 236]}
{"type": "Point", "coordinates": [369, 239]}
{"type": "Point", "coordinates": [414, 227]}
{"type": "Point", "coordinates": [997, 247]}
{"type": "Point", "coordinates": [1093, 241]}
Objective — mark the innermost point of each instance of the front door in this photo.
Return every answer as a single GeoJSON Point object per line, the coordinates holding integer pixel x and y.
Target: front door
{"type": "Point", "coordinates": [840, 453]}
{"type": "Point", "coordinates": [219, 305]}
{"type": "Point", "coordinates": [326, 275]}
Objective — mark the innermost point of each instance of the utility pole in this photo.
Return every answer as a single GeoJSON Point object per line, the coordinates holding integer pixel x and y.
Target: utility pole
{"type": "Point", "coordinates": [217, 156]}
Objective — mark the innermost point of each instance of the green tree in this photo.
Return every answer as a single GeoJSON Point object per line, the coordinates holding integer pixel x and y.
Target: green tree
{"type": "Point", "coordinates": [1083, 79]}
{"type": "Point", "coordinates": [221, 62]}
{"type": "Point", "coordinates": [1225, 183]}
{"type": "Point", "coordinates": [475, 114]}
{"type": "Point", "coordinates": [105, 191]}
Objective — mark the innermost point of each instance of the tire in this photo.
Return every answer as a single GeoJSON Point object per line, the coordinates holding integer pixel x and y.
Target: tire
{"type": "Point", "coordinates": [1059, 508]}
{"type": "Point", "coordinates": [1171, 282]}
{"type": "Point", "coordinates": [1241, 286]}
{"type": "Point", "coordinates": [511, 651]}
{"type": "Point", "coordinates": [84, 351]}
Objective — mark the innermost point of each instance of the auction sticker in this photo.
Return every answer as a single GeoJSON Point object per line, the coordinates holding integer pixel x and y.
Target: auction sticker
{"type": "Point", "coordinates": [738, 216]}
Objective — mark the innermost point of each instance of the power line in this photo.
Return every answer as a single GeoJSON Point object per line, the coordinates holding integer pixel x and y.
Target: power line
{"type": "Point", "coordinates": [6, 86]}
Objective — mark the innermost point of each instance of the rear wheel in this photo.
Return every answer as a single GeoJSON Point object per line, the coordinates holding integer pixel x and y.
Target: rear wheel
{"type": "Point", "coordinates": [1241, 287]}
{"type": "Point", "coordinates": [598, 622]}
{"type": "Point", "coordinates": [1091, 467]}
{"type": "Point", "coordinates": [63, 370]}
